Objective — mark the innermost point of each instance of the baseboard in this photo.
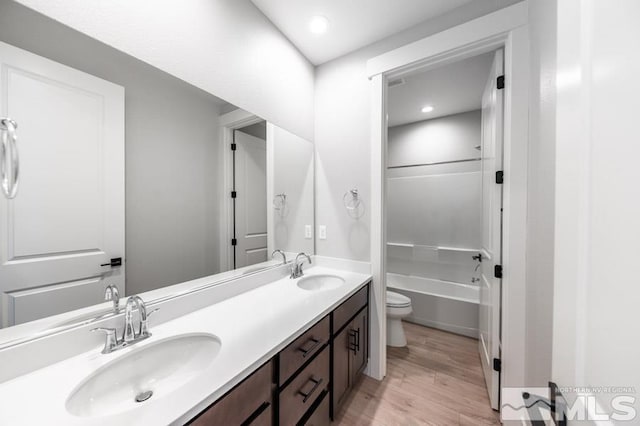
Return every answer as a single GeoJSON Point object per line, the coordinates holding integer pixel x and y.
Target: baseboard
{"type": "Point", "coordinates": [451, 328]}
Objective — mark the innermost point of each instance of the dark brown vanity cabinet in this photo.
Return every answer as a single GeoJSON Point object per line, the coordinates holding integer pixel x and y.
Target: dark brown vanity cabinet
{"type": "Point", "coordinates": [249, 403]}
{"type": "Point", "coordinates": [305, 375]}
{"type": "Point", "coordinates": [308, 380]}
{"type": "Point", "coordinates": [350, 345]}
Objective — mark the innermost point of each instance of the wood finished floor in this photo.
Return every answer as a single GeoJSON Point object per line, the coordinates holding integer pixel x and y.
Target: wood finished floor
{"type": "Point", "coordinates": [436, 380]}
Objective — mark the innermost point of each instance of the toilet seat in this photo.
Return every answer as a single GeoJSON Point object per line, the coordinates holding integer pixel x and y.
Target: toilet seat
{"type": "Point", "coordinates": [397, 300]}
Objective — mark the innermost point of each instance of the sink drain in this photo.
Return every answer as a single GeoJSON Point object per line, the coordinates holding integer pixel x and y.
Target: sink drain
{"type": "Point", "coordinates": [143, 396]}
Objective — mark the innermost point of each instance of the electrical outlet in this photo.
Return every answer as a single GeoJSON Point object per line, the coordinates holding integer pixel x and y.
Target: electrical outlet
{"type": "Point", "coordinates": [322, 232]}
{"type": "Point", "coordinates": [307, 232]}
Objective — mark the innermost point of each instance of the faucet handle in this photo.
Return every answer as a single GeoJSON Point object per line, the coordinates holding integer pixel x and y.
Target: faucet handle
{"type": "Point", "coordinates": [111, 340]}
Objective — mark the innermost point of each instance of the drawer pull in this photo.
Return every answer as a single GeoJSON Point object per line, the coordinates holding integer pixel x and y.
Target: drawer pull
{"type": "Point", "coordinates": [310, 350]}
{"type": "Point", "coordinates": [354, 344]}
{"type": "Point", "coordinates": [316, 385]}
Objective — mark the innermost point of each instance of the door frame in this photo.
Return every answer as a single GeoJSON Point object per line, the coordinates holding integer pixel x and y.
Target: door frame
{"type": "Point", "coordinates": [508, 29]}
{"type": "Point", "coordinates": [229, 122]}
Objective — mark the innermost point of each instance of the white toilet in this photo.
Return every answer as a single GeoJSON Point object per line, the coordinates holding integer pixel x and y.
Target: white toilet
{"type": "Point", "coordinates": [398, 307]}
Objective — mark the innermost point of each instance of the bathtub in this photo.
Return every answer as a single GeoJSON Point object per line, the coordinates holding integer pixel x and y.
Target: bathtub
{"type": "Point", "coordinates": [439, 304]}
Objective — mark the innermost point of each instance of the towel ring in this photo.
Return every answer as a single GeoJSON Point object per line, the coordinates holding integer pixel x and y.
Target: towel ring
{"type": "Point", "coordinates": [353, 203]}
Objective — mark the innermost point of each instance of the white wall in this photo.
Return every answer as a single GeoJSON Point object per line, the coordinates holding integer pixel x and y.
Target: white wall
{"type": "Point", "coordinates": [227, 48]}
{"type": "Point", "coordinates": [170, 157]}
{"type": "Point", "coordinates": [343, 114]}
{"type": "Point", "coordinates": [541, 205]}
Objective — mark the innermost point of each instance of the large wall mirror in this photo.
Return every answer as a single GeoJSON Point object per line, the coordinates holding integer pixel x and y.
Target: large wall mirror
{"type": "Point", "coordinates": [115, 173]}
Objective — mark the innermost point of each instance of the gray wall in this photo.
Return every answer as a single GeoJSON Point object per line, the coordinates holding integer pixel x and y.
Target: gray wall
{"type": "Point", "coordinates": [436, 205]}
{"type": "Point", "coordinates": [449, 138]}
{"type": "Point", "coordinates": [171, 160]}
{"type": "Point", "coordinates": [292, 175]}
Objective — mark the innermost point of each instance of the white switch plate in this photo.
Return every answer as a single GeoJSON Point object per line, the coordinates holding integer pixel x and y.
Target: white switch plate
{"type": "Point", "coordinates": [322, 232]}
{"type": "Point", "coordinates": [307, 232]}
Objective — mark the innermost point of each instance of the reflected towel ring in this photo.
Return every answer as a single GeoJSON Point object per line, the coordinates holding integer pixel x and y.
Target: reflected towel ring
{"type": "Point", "coordinates": [280, 203]}
{"type": "Point", "coordinates": [353, 203]}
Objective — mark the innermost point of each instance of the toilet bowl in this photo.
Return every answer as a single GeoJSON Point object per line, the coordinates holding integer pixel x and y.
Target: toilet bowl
{"type": "Point", "coordinates": [398, 307]}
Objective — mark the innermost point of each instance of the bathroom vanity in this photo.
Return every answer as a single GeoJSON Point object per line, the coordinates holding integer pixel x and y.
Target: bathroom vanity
{"type": "Point", "coordinates": [279, 351]}
{"type": "Point", "coordinates": [307, 381]}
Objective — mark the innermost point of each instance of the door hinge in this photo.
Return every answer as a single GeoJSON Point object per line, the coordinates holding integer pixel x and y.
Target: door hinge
{"type": "Point", "coordinates": [500, 82]}
{"type": "Point", "coordinates": [497, 364]}
{"type": "Point", "coordinates": [234, 194]}
{"type": "Point", "coordinates": [497, 271]}
{"type": "Point", "coordinates": [116, 261]}
{"type": "Point", "coordinates": [234, 242]}
{"type": "Point", "coordinates": [499, 177]}
{"type": "Point", "coordinates": [233, 146]}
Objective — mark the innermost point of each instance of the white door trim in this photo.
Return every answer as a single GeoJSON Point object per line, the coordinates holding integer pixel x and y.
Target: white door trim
{"type": "Point", "coordinates": [505, 28]}
{"type": "Point", "coordinates": [228, 123]}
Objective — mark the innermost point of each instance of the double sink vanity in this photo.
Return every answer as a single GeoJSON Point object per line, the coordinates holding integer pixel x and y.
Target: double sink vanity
{"type": "Point", "coordinates": [285, 351]}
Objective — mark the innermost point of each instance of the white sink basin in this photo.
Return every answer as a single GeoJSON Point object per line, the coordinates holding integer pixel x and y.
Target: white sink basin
{"type": "Point", "coordinates": [160, 368]}
{"type": "Point", "coordinates": [320, 282]}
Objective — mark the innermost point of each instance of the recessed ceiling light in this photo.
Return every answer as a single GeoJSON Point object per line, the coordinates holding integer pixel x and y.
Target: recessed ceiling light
{"type": "Point", "coordinates": [318, 24]}
{"type": "Point", "coordinates": [427, 108]}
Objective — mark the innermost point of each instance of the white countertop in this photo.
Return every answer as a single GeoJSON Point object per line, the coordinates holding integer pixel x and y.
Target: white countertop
{"type": "Point", "coordinates": [253, 327]}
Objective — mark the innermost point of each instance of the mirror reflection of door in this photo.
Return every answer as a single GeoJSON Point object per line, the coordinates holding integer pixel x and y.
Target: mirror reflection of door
{"type": "Point", "coordinates": [58, 234]}
{"type": "Point", "coordinates": [250, 187]}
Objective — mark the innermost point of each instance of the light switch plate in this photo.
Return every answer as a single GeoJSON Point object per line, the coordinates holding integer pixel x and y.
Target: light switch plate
{"type": "Point", "coordinates": [322, 232]}
{"type": "Point", "coordinates": [307, 232]}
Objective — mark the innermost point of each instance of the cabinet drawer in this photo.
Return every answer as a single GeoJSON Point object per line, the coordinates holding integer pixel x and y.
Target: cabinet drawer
{"type": "Point", "coordinates": [304, 390]}
{"type": "Point", "coordinates": [264, 418]}
{"type": "Point", "coordinates": [320, 416]}
{"type": "Point", "coordinates": [303, 349]}
{"type": "Point", "coordinates": [241, 402]}
{"type": "Point", "coordinates": [348, 309]}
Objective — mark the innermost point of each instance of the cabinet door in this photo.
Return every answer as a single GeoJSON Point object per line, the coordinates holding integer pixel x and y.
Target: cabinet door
{"type": "Point", "coordinates": [341, 359]}
{"type": "Point", "coordinates": [359, 330]}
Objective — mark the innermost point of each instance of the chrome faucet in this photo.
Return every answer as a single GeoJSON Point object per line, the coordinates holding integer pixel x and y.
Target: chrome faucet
{"type": "Point", "coordinates": [296, 267]}
{"type": "Point", "coordinates": [281, 253]}
{"type": "Point", "coordinates": [112, 293]}
{"type": "Point", "coordinates": [129, 335]}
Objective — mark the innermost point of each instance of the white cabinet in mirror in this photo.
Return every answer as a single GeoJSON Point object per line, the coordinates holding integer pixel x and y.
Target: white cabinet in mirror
{"type": "Point", "coordinates": [131, 178]}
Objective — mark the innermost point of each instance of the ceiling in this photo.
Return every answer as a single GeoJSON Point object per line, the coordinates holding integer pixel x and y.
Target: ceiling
{"type": "Point", "coordinates": [352, 23]}
{"type": "Point", "coordinates": [450, 89]}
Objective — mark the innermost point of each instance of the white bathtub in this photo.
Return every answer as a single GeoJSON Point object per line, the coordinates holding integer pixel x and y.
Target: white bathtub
{"type": "Point", "coordinates": [439, 304]}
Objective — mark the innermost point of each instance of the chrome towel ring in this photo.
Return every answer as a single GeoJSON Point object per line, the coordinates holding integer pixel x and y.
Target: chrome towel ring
{"type": "Point", "coordinates": [9, 160]}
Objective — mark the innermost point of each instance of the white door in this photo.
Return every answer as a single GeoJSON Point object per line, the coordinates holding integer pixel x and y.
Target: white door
{"type": "Point", "coordinates": [489, 321]}
{"type": "Point", "coordinates": [251, 199]}
{"type": "Point", "coordinates": [68, 216]}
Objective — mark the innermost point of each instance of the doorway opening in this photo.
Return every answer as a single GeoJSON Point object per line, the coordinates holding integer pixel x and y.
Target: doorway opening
{"type": "Point", "coordinates": [444, 218]}
{"type": "Point", "coordinates": [249, 195]}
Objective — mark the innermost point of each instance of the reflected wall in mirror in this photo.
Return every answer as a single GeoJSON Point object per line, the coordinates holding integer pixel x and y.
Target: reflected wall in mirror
{"type": "Point", "coordinates": [130, 177]}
